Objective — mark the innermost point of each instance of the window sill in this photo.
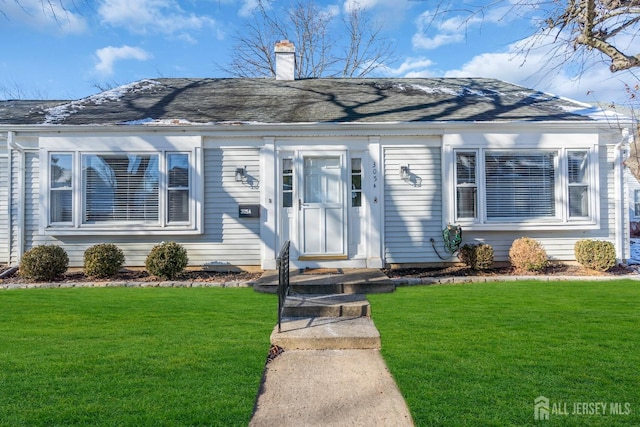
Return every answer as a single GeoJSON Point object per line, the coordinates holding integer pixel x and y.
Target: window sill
{"type": "Point", "coordinates": [120, 231]}
{"type": "Point", "coordinates": [523, 226]}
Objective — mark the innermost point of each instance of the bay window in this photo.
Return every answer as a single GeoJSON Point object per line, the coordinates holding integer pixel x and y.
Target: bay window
{"type": "Point", "coordinates": [523, 186]}
{"type": "Point", "coordinates": [108, 192]}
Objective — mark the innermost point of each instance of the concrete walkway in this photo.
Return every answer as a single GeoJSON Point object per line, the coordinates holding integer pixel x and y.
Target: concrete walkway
{"type": "Point", "coordinates": [330, 372]}
{"type": "Point", "coordinates": [329, 388]}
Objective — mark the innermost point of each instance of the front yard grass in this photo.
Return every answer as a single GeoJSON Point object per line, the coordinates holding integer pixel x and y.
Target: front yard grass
{"type": "Point", "coordinates": [122, 356]}
{"type": "Point", "coordinates": [480, 354]}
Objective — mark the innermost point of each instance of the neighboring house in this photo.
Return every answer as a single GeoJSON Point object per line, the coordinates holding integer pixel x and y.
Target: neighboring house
{"type": "Point", "coordinates": [634, 205]}
{"type": "Point", "coordinates": [354, 172]}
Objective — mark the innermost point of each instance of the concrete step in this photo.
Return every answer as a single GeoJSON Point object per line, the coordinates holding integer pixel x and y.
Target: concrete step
{"type": "Point", "coordinates": [331, 305]}
{"type": "Point", "coordinates": [348, 281]}
{"type": "Point", "coordinates": [326, 333]}
{"type": "Point", "coordinates": [331, 288]}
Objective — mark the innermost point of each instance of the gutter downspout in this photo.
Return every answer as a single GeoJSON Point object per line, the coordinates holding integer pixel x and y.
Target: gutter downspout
{"type": "Point", "coordinates": [13, 145]}
{"type": "Point", "coordinates": [620, 196]}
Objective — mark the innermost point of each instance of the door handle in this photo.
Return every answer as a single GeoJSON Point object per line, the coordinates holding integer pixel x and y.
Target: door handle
{"type": "Point", "coordinates": [299, 204]}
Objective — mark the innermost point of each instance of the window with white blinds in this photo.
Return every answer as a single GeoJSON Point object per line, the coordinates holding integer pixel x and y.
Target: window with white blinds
{"type": "Point", "coordinates": [150, 190]}
{"type": "Point", "coordinates": [520, 185]}
{"type": "Point", "coordinates": [120, 187]}
{"type": "Point", "coordinates": [524, 186]}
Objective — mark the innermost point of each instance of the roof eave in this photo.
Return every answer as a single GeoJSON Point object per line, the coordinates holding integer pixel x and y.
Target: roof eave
{"type": "Point", "coordinates": [437, 127]}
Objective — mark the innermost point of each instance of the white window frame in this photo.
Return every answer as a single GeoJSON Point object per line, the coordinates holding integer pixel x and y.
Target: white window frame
{"type": "Point", "coordinates": [636, 203]}
{"type": "Point", "coordinates": [161, 227]}
{"type": "Point", "coordinates": [561, 219]}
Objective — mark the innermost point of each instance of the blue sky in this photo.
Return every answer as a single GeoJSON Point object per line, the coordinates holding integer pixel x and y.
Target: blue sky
{"type": "Point", "coordinates": [120, 41]}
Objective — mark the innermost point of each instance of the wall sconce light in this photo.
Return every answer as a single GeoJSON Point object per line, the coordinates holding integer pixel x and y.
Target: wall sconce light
{"type": "Point", "coordinates": [404, 172]}
{"type": "Point", "coordinates": [240, 174]}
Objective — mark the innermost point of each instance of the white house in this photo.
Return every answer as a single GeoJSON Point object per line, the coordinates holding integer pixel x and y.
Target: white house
{"type": "Point", "coordinates": [354, 172]}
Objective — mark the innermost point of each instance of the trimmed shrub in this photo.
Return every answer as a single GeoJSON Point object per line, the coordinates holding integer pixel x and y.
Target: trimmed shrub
{"type": "Point", "coordinates": [527, 254]}
{"type": "Point", "coordinates": [166, 260]}
{"type": "Point", "coordinates": [103, 260]}
{"type": "Point", "coordinates": [44, 262]}
{"type": "Point", "coordinates": [477, 257]}
{"type": "Point", "coordinates": [595, 254]}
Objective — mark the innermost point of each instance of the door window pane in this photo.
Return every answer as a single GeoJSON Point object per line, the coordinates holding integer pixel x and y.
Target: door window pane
{"type": "Point", "coordinates": [287, 183]}
{"type": "Point", "coordinates": [322, 180]}
{"type": "Point", "coordinates": [356, 182]}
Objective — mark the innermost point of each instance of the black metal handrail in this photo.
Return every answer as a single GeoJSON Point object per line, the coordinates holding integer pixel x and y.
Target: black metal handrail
{"type": "Point", "coordinates": [283, 279]}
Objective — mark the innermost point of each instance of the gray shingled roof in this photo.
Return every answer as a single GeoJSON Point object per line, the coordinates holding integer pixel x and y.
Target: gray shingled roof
{"type": "Point", "coordinates": [214, 101]}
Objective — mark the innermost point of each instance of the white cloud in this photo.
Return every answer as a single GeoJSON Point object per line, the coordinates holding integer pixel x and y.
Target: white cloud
{"type": "Point", "coordinates": [437, 28]}
{"type": "Point", "coordinates": [152, 16]}
{"type": "Point", "coordinates": [364, 4]}
{"type": "Point", "coordinates": [247, 8]}
{"type": "Point", "coordinates": [549, 71]}
{"type": "Point", "coordinates": [412, 67]}
{"type": "Point", "coordinates": [56, 15]}
{"type": "Point", "coordinates": [107, 56]}
{"type": "Point", "coordinates": [391, 14]}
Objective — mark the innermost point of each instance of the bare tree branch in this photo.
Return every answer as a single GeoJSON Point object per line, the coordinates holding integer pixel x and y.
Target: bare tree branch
{"type": "Point", "coordinates": [320, 52]}
{"type": "Point", "coordinates": [596, 25]}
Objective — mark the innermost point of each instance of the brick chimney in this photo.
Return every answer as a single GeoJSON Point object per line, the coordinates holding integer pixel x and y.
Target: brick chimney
{"type": "Point", "coordinates": [285, 60]}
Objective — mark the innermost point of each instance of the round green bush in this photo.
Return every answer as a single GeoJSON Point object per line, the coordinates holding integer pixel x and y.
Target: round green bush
{"type": "Point", "coordinates": [44, 262]}
{"type": "Point", "coordinates": [103, 260]}
{"type": "Point", "coordinates": [527, 254]}
{"type": "Point", "coordinates": [477, 257]}
{"type": "Point", "coordinates": [166, 260]}
{"type": "Point", "coordinates": [595, 254]}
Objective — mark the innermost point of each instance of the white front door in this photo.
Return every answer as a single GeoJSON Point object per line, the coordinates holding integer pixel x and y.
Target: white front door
{"type": "Point", "coordinates": [321, 207]}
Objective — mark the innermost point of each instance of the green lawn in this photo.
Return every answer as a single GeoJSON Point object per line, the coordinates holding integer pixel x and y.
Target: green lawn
{"type": "Point", "coordinates": [479, 354]}
{"type": "Point", "coordinates": [121, 356]}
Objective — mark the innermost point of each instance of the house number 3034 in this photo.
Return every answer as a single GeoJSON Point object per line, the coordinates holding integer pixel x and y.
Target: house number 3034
{"type": "Point", "coordinates": [374, 174]}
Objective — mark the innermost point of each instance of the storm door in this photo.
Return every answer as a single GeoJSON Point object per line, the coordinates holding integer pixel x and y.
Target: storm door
{"type": "Point", "coordinates": [321, 207]}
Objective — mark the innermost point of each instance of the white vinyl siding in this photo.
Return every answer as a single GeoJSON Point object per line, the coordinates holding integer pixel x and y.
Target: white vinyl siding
{"type": "Point", "coordinates": [412, 206]}
{"type": "Point", "coordinates": [230, 240]}
{"type": "Point", "coordinates": [4, 209]}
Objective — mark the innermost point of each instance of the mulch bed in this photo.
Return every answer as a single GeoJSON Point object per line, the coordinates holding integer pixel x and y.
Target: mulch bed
{"type": "Point", "coordinates": [127, 275]}
{"type": "Point", "coordinates": [552, 270]}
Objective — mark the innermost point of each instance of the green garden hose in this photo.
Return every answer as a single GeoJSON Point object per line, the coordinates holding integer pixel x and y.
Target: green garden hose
{"type": "Point", "coordinates": [452, 236]}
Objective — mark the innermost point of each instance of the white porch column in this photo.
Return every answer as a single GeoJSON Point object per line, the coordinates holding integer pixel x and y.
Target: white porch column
{"type": "Point", "coordinates": [269, 203]}
{"type": "Point", "coordinates": [375, 197]}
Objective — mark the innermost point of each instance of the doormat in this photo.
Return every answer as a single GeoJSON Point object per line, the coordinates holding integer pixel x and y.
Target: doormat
{"type": "Point", "coordinates": [319, 271]}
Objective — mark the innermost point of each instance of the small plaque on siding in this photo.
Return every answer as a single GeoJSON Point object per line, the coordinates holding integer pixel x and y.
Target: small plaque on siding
{"type": "Point", "coordinates": [249, 211]}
